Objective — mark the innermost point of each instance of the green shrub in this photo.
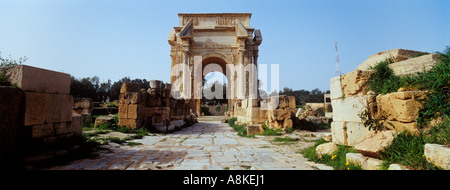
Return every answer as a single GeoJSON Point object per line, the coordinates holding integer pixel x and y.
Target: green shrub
{"type": "Point", "coordinates": [435, 83]}
{"type": "Point", "coordinates": [336, 160]}
{"type": "Point", "coordinates": [205, 110]}
{"type": "Point", "coordinates": [217, 108]}
{"type": "Point", "coordinates": [4, 80]}
{"type": "Point", "coordinates": [383, 80]}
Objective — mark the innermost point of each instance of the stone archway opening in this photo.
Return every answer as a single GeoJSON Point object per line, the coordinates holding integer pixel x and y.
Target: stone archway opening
{"type": "Point", "coordinates": [214, 86]}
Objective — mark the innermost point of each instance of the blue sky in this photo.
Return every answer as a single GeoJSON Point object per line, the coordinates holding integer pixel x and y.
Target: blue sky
{"type": "Point", "coordinates": [115, 39]}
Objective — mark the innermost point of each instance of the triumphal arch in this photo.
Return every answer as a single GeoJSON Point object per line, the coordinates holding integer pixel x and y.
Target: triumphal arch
{"type": "Point", "coordinates": [222, 42]}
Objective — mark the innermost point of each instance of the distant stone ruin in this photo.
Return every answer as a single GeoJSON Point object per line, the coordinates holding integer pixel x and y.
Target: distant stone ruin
{"type": "Point", "coordinates": [154, 108]}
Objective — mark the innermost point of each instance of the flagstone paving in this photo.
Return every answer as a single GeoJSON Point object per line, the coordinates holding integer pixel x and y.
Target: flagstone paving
{"type": "Point", "coordinates": [207, 145]}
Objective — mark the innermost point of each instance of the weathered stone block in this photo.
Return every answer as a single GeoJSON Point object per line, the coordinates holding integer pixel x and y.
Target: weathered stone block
{"type": "Point", "coordinates": [40, 131]}
{"type": "Point", "coordinates": [104, 119]}
{"type": "Point", "coordinates": [326, 148]}
{"type": "Point", "coordinates": [439, 155]}
{"type": "Point", "coordinates": [253, 112]}
{"type": "Point", "coordinates": [339, 132]}
{"type": "Point", "coordinates": [130, 87]}
{"type": "Point", "coordinates": [374, 143]}
{"type": "Point", "coordinates": [336, 88]}
{"type": "Point", "coordinates": [357, 159]}
{"type": "Point", "coordinates": [353, 83]}
{"type": "Point", "coordinates": [255, 129]}
{"type": "Point", "coordinates": [33, 79]}
{"type": "Point", "coordinates": [123, 111]}
{"type": "Point", "coordinates": [136, 111]}
{"type": "Point", "coordinates": [414, 65]}
{"type": "Point", "coordinates": [62, 128]}
{"type": "Point", "coordinates": [355, 132]}
{"type": "Point", "coordinates": [131, 123]}
{"type": "Point", "coordinates": [61, 107]}
{"type": "Point", "coordinates": [11, 116]}
{"type": "Point", "coordinates": [400, 106]}
{"type": "Point", "coordinates": [42, 108]}
{"type": "Point", "coordinates": [77, 124]}
{"type": "Point", "coordinates": [398, 54]}
{"type": "Point", "coordinates": [83, 103]}
{"type": "Point", "coordinates": [278, 114]}
{"type": "Point", "coordinates": [348, 109]}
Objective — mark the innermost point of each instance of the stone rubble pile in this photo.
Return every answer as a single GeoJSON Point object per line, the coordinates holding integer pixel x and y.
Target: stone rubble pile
{"type": "Point", "coordinates": [155, 108]}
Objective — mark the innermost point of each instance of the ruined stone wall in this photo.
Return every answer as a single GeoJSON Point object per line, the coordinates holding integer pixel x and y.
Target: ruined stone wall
{"type": "Point", "coordinates": [250, 111]}
{"type": "Point", "coordinates": [350, 98]}
{"type": "Point", "coordinates": [46, 114]}
{"type": "Point", "coordinates": [153, 108]}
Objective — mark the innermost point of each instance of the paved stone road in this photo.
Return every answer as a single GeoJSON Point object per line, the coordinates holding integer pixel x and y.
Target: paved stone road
{"type": "Point", "coordinates": [207, 145]}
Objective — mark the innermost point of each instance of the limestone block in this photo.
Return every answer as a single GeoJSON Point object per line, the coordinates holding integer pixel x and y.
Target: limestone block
{"type": "Point", "coordinates": [292, 104]}
{"type": "Point", "coordinates": [288, 123]}
{"type": "Point", "coordinates": [41, 108]}
{"type": "Point", "coordinates": [336, 88]}
{"type": "Point", "coordinates": [244, 103]}
{"type": "Point", "coordinates": [398, 54]}
{"type": "Point", "coordinates": [136, 111]}
{"type": "Point", "coordinates": [41, 131]}
{"type": "Point", "coordinates": [347, 109]}
{"type": "Point", "coordinates": [355, 132]}
{"type": "Point", "coordinates": [252, 103]}
{"type": "Point", "coordinates": [77, 124]}
{"type": "Point", "coordinates": [84, 111]}
{"type": "Point", "coordinates": [373, 164]}
{"type": "Point", "coordinates": [62, 128]}
{"type": "Point", "coordinates": [253, 112]}
{"type": "Point", "coordinates": [353, 83]}
{"type": "Point", "coordinates": [130, 87]}
{"type": "Point", "coordinates": [283, 101]}
{"type": "Point", "coordinates": [400, 106]}
{"type": "Point", "coordinates": [374, 143]}
{"type": "Point", "coordinates": [123, 111]}
{"type": "Point", "coordinates": [414, 65]}
{"type": "Point", "coordinates": [131, 123]}
{"type": "Point", "coordinates": [278, 114]}
{"type": "Point", "coordinates": [357, 159]}
{"type": "Point", "coordinates": [10, 116]}
{"type": "Point", "coordinates": [83, 103]}
{"type": "Point", "coordinates": [315, 106]}
{"type": "Point", "coordinates": [299, 112]}
{"type": "Point", "coordinates": [397, 167]}
{"type": "Point", "coordinates": [154, 101]}
{"type": "Point", "coordinates": [61, 108]}
{"type": "Point", "coordinates": [254, 129]}
{"type": "Point", "coordinates": [339, 132]}
{"type": "Point", "coordinates": [401, 126]}
{"type": "Point", "coordinates": [439, 155]}
{"type": "Point", "coordinates": [326, 148]}
{"type": "Point", "coordinates": [104, 119]}
{"type": "Point", "coordinates": [33, 79]}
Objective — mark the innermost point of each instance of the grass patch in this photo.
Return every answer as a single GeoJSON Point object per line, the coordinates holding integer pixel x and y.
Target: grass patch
{"type": "Point", "coordinates": [408, 149]}
{"type": "Point", "coordinates": [285, 140]}
{"type": "Point", "coordinates": [336, 160]}
{"type": "Point", "coordinates": [133, 143]}
{"type": "Point", "coordinates": [242, 129]}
